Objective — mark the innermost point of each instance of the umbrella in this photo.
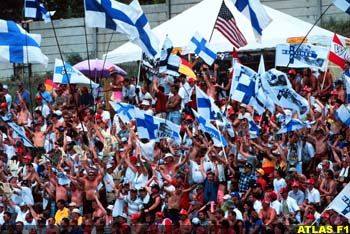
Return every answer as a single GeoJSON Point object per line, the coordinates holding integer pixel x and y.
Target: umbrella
{"type": "Point", "coordinates": [98, 68]}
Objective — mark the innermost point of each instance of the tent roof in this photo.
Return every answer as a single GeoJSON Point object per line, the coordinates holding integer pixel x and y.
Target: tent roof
{"type": "Point", "coordinates": [202, 17]}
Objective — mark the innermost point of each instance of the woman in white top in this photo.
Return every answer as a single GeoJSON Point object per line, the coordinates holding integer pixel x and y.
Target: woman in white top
{"type": "Point", "coordinates": [141, 174]}
{"type": "Point", "coordinates": [279, 182]}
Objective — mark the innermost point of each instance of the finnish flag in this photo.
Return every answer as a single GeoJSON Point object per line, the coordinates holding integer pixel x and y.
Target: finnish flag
{"type": "Point", "coordinates": [147, 128]}
{"type": "Point", "coordinates": [206, 106]}
{"type": "Point", "coordinates": [18, 46]}
{"type": "Point", "coordinates": [203, 49]}
{"type": "Point", "coordinates": [125, 111]}
{"type": "Point", "coordinates": [292, 125]}
{"type": "Point", "coordinates": [35, 9]}
{"type": "Point", "coordinates": [343, 114]}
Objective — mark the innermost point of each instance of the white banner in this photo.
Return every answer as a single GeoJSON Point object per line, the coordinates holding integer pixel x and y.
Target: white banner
{"type": "Point", "coordinates": [304, 56]}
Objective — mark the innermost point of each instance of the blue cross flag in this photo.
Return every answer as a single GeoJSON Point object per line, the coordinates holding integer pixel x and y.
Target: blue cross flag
{"type": "Point", "coordinates": [343, 114]}
{"type": "Point", "coordinates": [204, 125]}
{"type": "Point", "coordinates": [206, 106]}
{"type": "Point", "coordinates": [243, 85]}
{"type": "Point", "coordinates": [18, 46]}
{"type": "Point", "coordinates": [341, 203]}
{"type": "Point", "coordinates": [292, 125]}
{"type": "Point", "coordinates": [147, 128]}
{"type": "Point", "coordinates": [255, 12]}
{"type": "Point", "coordinates": [126, 19]}
{"type": "Point", "coordinates": [125, 111]}
{"type": "Point", "coordinates": [203, 49]}
{"type": "Point", "coordinates": [35, 9]}
{"type": "Point", "coordinates": [73, 76]}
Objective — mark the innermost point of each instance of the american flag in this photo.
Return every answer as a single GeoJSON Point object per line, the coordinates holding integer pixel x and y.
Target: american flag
{"type": "Point", "coordinates": [226, 24]}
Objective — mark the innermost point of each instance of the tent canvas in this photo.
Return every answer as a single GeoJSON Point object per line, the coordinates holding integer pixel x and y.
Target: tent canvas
{"type": "Point", "coordinates": [202, 17]}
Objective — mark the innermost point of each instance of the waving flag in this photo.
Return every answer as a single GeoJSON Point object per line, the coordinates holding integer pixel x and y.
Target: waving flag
{"type": "Point", "coordinates": [306, 55]}
{"type": "Point", "coordinates": [73, 76]}
{"type": "Point", "coordinates": [215, 134]}
{"type": "Point", "coordinates": [341, 203]}
{"type": "Point", "coordinates": [202, 48]}
{"type": "Point", "coordinates": [169, 63]}
{"type": "Point", "coordinates": [147, 128]}
{"type": "Point", "coordinates": [343, 114]}
{"type": "Point", "coordinates": [243, 85]}
{"type": "Point", "coordinates": [263, 101]}
{"type": "Point", "coordinates": [226, 25]}
{"type": "Point", "coordinates": [343, 5]}
{"type": "Point", "coordinates": [126, 19]}
{"type": "Point", "coordinates": [206, 106]}
{"type": "Point", "coordinates": [35, 9]}
{"type": "Point", "coordinates": [292, 125]}
{"type": "Point", "coordinates": [278, 87]}
{"type": "Point", "coordinates": [20, 133]}
{"type": "Point", "coordinates": [255, 12]}
{"type": "Point", "coordinates": [338, 53]}
{"type": "Point", "coordinates": [18, 46]}
{"type": "Point", "coordinates": [254, 129]}
{"type": "Point", "coordinates": [125, 111]}
{"type": "Point", "coordinates": [49, 84]}
{"type": "Point", "coordinates": [167, 129]}
{"type": "Point", "coordinates": [186, 69]}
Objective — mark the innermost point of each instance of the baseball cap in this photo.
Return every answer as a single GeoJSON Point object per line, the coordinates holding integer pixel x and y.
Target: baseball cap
{"type": "Point", "coordinates": [260, 171]}
{"type": "Point", "coordinates": [295, 184]}
{"type": "Point", "coordinates": [76, 210]}
{"type": "Point", "coordinates": [167, 155]}
{"type": "Point", "coordinates": [183, 212]}
{"type": "Point", "coordinates": [310, 216]}
{"type": "Point", "coordinates": [265, 201]}
{"type": "Point", "coordinates": [292, 71]}
{"type": "Point", "coordinates": [273, 195]}
{"type": "Point", "coordinates": [310, 181]}
{"type": "Point", "coordinates": [248, 165]}
{"type": "Point", "coordinates": [292, 169]}
{"type": "Point", "coordinates": [38, 97]}
{"type": "Point", "coordinates": [72, 204]}
{"type": "Point", "coordinates": [338, 82]}
{"type": "Point", "coordinates": [284, 190]}
{"type": "Point", "coordinates": [235, 194]}
{"type": "Point", "coordinates": [3, 105]}
{"type": "Point", "coordinates": [5, 87]}
{"type": "Point", "coordinates": [135, 216]}
{"type": "Point", "coordinates": [196, 221]}
{"type": "Point", "coordinates": [159, 213]}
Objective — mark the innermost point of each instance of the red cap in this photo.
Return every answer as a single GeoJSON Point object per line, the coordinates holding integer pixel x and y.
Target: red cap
{"type": "Point", "coordinates": [310, 181]}
{"type": "Point", "coordinates": [58, 88]}
{"type": "Point", "coordinates": [295, 184]}
{"type": "Point", "coordinates": [28, 156]}
{"type": "Point", "coordinates": [257, 118]}
{"type": "Point", "coordinates": [334, 92]}
{"type": "Point", "coordinates": [231, 112]}
{"type": "Point", "coordinates": [188, 117]}
{"type": "Point", "coordinates": [4, 105]}
{"type": "Point", "coordinates": [325, 215]}
{"type": "Point", "coordinates": [98, 117]}
{"type": "Point", "coordinates": [272, 195]}
{"type": "Point", "coordinates": [19, 150]}
{"type": "Point", "coordinates": [173, 182]}
{"type": "Point", "coordinates": [38, 97]}
{"type": "Point", "coordinates": [266, 201]}
{"type": "Point", "coordinates": [183, 212]}
{"type": "Point", "coordinates": [310, 216]}
{"type": "Point", "coordinates": [306, 89]}
{"type": "Point", "coordinates": [159, 213]}
{"type": "Point", "coordinates": [284, 190]}
{"type": "Point", "coordinates": [292, 71]}
{"type": "Point", "coordinates": [191, 79]}
{"type": "Point", "coordinates": [133, 159]}
{"type": "Point", "coordinates": [135, 216]}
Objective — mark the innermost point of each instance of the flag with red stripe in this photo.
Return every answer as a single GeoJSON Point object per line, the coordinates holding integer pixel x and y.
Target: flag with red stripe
{"type": "Point", "coordinates": [338, 53]}
{"type": "Point", "coordinates": [226, 25]}
{"type": "Point", "coordinates": [49, 84]}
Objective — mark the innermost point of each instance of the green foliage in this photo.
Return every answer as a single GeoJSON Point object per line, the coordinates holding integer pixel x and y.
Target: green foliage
{"type": "Point", "coordinates": [73, 58]}
{"type": "Point", "coordinates": [341, 27]}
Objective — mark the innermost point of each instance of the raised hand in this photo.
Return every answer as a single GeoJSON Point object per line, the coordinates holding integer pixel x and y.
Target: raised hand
{"type": "Point", "coordinates": [14, 168]}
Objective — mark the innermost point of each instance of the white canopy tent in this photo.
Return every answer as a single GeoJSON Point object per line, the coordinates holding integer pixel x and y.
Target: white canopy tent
{"type": "Point", "coordinates": [202, 17]}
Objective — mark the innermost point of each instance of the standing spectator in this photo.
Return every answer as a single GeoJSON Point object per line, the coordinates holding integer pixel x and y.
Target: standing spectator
{"type": "Point", "coordinates": [24, 93]}
{"type": "Point", "coordinates": [7, 96]}
{"type": "Point", "coordinates": [46, 96]}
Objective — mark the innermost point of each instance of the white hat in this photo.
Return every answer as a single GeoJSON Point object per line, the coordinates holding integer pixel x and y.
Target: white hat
{"type": "Point", "coordinates": [168, 155]}
{"type": "Point", "coordinates": [196, 221]}
{"type": "Point", "coordinates": [5, 87]}
{"type": "Point", "coordinates": [145, 102]}
{"type": "Point", "coordinates": [227, 197]}
{"type": "Point", "coordinates": [109, 166]}
{"type": "Point", "coordinates": [58, 112]}
{"type": "Point", "coordinates": [245, 116]}
{"type": "Point", "coordinates": [123, 215]}
{"type": "Point", "coordinates": [110, 207]}
{"type": "Point", "coordinates": [72, 204]}
{"type": "Point", "coordinates": [76, 210]}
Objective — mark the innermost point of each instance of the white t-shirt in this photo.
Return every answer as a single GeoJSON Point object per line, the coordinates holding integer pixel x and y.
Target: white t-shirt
{"type": "Point", "coordinates": [312, 196]}
{"type": "Point", "coordinates": [118, 206]}
{"type": "Point", "coordinates": [279, 184]}
{"type": "Point", "coordinates": [147, 149]}
{"type": "Point", "coordinates": [196, 174]}
{"type": "Point", "coordinates": [20, 214]}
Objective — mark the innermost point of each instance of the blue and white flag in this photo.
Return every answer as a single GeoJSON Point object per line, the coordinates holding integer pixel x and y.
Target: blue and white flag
{"type": "Point", "coordinates": [125, 111]}
{"type": "Point", "coordinates": [341, 203]}
{"type": "Point", "coordinates": [254, 129]}
{"type": "Point", "coordinates": [343, 114]}
{"type": "Point", "coordinates": [256, 13]}
{"type": "Point", "coordinates": [147, 127]}
{"type": "Point", "coordinates": [204, 125]}
{"type": "Point", "coordinates": [20, 133]}
{"type": "Point", "coordinates": [18, 46]}
{"type": "Point", "coordinates": [346, 81]}
{"type": "Point", "coordinates": [206, 106]}
{"type": "Point", "coordinates": [126, 19]}
{"type": "Point", "coordinates": [35, 9]}
{"type": "Point", "coordinates": [243, 85]}
{"type": "Point", "coordinates": [343, 5]}
{"type": "Point", "coordinates": [305, 55]}
{"type": "Point", "coordinates": [261, 68]}
{"type": "Point", "coordinates": [167, 129]}
{"type": "Point", "coordinates": [202, 48]}
{"type": "Point", "coordinates": [263, 101]}
{"type": "Point", "coordinates": [277, 86]}
{"type": "Point", "coordinates": [169, 63]}
{"type": "Point", "coordinates": [73, 76]}
{"type": "Point", "coordinates": [292, 125]}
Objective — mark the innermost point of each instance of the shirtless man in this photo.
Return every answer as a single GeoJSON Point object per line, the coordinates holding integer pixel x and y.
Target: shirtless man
{"type": "Point", "coordinates": [325, 84]}
{"type": "Point", "coordinates": [99, 211]}
{"type": "Point", "coordinates": [76, 193]}
{"type": "Point", "coordinates": [267, 214]}
{"type": "Point", "coordinates": [90, 183]}
{"type": "Point", "coordinates": [328, 187]}
{"type": "Point", "coordinates": [173, 106]}
{"type": "Point", "coordinates": [24, 115]}
{"type": "Point", "coordinates": [320, 139]}
{"type": "Point", "coordinates": [170, 167]}
{"type": "Point", "coordinates": [309, 80]}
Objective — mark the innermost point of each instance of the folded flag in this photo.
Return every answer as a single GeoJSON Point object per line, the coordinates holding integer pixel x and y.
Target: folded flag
{"type": "Point", "coordinates": [203, 48]}
{"type": "Point", "coordinates": [18, 46]}
{"type": "Point", "coordinates": [206, 106]}
{"type": "Point", "coordinates": [277, 86]}
{"type": "Point", "coordinates": [292, 125]}
{"type": "Point", "coordinates": [243, 85]}
{"type": "Point", "coordinates": [338, 53]}
{"type": "Point", "coordinates": [73, 75]}
{"type": "Point", "coordinates": [300, 56]}
{"type": "Point", "coordinates": [20, 133]}
{"type": "Point", "coordinates": [343, 114]}
{"type": "Point", "coordinates": [185, 68]}
{"type": "Point", "coordinates": [169, 63]}
{"type": "Point", "coordinates": [343, 5]}
{"type": "Point", "coordinates": [204, 125]}
{"type": "Point", "coordinates": [341, 203]}
{"type": "Point", "coordinates": [125, 111]}
{"type": "Point", "coordinates": [256, 13]}
{"type": "Point", "coordinates": [226, 25]}
{"type": "Point", "coordinates": [126, 19]}
{"type": "Point", "coordinates": [35, 9]}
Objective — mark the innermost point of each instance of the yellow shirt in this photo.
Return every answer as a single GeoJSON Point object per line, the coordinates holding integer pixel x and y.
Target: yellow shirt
{"type": "Point", "coordinates": [60, 214]}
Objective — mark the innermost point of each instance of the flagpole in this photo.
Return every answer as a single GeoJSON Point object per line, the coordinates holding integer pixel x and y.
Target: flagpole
{"type": "Point", "coordinates": [88, 58]}
{"type": "Point", "coordinates": [212, 31]}
{"type": "Point", "coordinates": [29, 80]}
{"type": "Point", "coordinates": [319, 18]}
{"type": "Point", "coordinates": [139, 71]}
